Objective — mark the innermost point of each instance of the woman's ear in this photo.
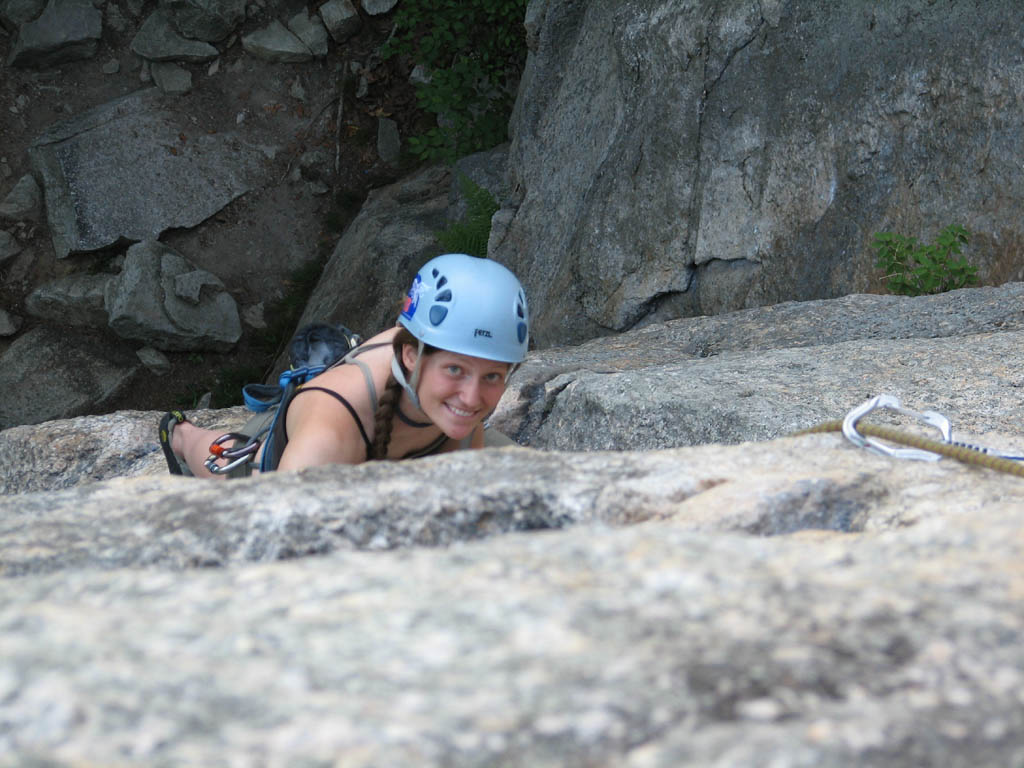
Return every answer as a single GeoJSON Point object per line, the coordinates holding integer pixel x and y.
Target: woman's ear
{"type": "Point", "coordinates": [409, 355]}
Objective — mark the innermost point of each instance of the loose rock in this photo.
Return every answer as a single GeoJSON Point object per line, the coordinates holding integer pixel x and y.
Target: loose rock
{"type": "Point", "coordinates": [23, 203]}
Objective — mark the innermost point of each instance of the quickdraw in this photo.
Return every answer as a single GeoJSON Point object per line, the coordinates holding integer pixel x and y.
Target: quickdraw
{"type": "Point", "coordinates": [918, 447]}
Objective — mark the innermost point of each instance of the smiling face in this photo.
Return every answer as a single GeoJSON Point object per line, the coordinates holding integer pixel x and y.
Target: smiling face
{"type": "Point", "coordinates": [457, 391]}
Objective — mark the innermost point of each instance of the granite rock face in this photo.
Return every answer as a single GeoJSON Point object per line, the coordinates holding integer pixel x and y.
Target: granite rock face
{"type": "Point", "coordinates": [692, 158]}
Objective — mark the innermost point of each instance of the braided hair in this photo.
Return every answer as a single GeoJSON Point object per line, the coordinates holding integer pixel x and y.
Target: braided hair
{"type": "Point", "coordinates": [384, 416]}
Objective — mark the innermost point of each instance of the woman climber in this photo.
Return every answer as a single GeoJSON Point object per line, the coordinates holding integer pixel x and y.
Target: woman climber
{"type": "Point", "coordinates": [462, 329]}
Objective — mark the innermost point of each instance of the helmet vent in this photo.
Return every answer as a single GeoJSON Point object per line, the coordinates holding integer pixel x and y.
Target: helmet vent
{"type": "Point", "coordinates": [438, 314]}
{"type": "Point", "coordinates": [521, 332]}
{"type": "Point", "coordinates": [442, 282]}
{"type": "Point", "coordinates": [434, 273]}
{"type": "Point", "coordinates": [445, 295]}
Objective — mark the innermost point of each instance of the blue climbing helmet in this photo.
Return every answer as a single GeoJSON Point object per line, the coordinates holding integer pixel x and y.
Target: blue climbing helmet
{"type": "Point", "coordinates": [470, 306]}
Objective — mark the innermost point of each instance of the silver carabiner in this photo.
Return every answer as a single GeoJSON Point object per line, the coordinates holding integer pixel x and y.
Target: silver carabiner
{"type": "Point", "coordinates": [238, 456]}
{"type": "Point", "coordinates": [892, 403]}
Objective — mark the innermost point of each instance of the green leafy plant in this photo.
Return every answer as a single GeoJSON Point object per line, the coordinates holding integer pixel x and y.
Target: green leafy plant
{"type": "Point", "coordinates": [473, 52]}
{"type": "Point", "coordinates": [918, 269]}
{"type": "Point", "coordinates": [470, 234]}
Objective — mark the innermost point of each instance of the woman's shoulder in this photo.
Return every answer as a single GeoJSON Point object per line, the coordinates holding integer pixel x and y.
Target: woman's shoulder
{"type": "Point", "coordinates": [327, 403]}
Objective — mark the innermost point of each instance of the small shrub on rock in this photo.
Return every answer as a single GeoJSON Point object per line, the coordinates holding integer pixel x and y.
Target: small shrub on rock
{"type": "Point", "coordinates": [919, 269]}
{"type": "Point", "coordinates": [471, 233]}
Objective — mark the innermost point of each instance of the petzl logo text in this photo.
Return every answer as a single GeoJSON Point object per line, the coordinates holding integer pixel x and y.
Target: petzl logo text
{"type": "Point", "coordinates": [482, 332]}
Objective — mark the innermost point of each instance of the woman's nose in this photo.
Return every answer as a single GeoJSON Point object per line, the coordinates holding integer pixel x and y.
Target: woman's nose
{"type": "Point", "coordinates": [470, 392]}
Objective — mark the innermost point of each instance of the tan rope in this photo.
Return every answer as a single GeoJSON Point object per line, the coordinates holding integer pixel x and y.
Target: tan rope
{"type": "Point", "coordinates": [961, 453]}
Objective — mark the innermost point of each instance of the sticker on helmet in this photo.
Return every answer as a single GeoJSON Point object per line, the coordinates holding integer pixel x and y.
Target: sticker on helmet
{"type": "Point", "coordinates": [412, 299]}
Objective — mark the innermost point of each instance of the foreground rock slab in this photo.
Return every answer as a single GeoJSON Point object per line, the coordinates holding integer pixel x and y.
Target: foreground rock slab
{"type": "Point", "coordinates": [683, 640]}
{"type": "Point", "coordinates": [771, 488]}
{"type": "Point", "coordinates": [69, 452]}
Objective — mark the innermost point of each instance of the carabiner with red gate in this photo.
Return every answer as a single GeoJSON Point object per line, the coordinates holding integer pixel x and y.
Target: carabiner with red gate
{"type": "Point", "coordinates": [243, 450]}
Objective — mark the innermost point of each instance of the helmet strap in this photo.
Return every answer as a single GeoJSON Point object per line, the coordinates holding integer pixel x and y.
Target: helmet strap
{"type": "Point", "coordinates": [411, 385]}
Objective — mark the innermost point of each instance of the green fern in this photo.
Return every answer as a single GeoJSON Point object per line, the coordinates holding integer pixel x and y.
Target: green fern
{"type": "Point", "coordinates": [471, 233]}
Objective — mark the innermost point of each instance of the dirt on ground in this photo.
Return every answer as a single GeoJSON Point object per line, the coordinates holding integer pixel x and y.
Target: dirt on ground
{"type": "Point", "coordinates": [293, 108]}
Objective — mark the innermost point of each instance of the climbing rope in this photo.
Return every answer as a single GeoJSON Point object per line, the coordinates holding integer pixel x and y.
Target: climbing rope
{"type": "Point", "coordinates": [919, 447]}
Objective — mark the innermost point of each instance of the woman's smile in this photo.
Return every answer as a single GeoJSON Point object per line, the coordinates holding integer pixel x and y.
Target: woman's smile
{"type": "Point", "coordinates": [461, 413]}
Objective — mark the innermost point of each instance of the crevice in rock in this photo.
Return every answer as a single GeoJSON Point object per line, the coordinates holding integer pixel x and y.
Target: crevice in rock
{"type": "Point", "coordinates": [818, 504]}
{"type": "Point", "coordinates": [696, 202]}
{"type": "Point", "coordinates": [540, 402]}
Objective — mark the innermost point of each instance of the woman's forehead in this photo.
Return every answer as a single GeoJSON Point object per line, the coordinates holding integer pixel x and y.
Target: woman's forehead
{"type": "Point", "coordinates": [468, 360]}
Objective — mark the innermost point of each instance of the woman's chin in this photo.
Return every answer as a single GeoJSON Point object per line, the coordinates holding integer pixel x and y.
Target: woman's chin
{"type": "Point", "coordinates": [458, 431]}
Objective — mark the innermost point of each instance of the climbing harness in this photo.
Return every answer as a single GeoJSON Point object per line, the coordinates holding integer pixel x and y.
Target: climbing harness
{"type": "Point", "coordinates": [918, 447]}
{"type": "Point", "coordinates": [314, 349]}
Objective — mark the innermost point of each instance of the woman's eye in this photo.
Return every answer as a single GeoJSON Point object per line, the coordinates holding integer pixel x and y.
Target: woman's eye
{"type": "Point", "coordinates": [494, 378]}
{"type": "Point", "coordinates": [454, 370]}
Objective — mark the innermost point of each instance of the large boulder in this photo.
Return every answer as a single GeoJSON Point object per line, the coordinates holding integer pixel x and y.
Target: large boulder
{"type": "Point", "coordinates": [49, 374]}
{"type": "Point", "coordinates": [693, 158]}
{"type": "Point", "coordinates": [163, 300]}
{"type": "Point", "coordinates": [66, 31]}
{"type": "Point", "coordinates": [275, 42]}
{"type": "Point", "coordinates": [157, 40]}
{"type": "Point", "coordinates": [92, 197]}
{"type": "Point", "coordinates": [208, 20]}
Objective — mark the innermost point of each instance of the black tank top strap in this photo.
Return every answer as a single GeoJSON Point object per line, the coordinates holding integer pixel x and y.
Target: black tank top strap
{"type": "Point", "coordinates": [347, 404]}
